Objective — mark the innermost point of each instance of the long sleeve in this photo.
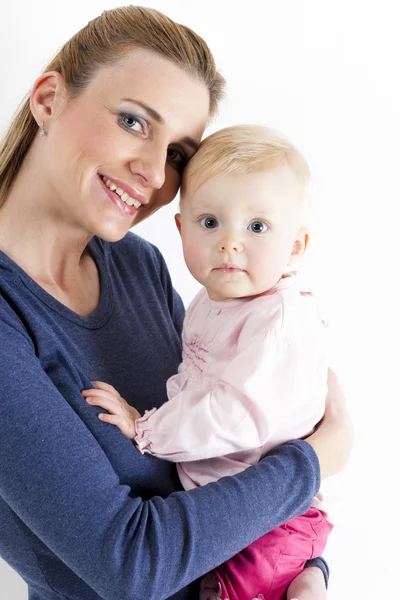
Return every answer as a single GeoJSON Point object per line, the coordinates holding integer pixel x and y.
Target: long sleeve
{"type": "Point", "coordinates": [56, 478]}
{"type": "Point", "coordinates": [271, 392]}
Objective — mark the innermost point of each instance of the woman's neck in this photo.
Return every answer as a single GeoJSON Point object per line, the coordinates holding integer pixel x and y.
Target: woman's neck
{"type": "Point", "coordinates": [35, 233]}
{"type": "Point", "coordinates": [52, 251]}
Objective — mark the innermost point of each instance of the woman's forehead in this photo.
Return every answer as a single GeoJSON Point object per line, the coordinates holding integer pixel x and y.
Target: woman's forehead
{"type": "Point", "coordinates": [173, 96]}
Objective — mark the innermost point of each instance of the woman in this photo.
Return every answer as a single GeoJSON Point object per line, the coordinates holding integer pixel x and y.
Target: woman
{"type": "Point", "coordinates": [98, 147]}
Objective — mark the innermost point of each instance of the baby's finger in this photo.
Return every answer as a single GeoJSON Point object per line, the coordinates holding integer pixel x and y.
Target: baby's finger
{"type": "Point", "coordinates": [93, 393]}
{"type": "Point", "coordinates": [127, 428]}
{"type": "Point", "coordinates": [106, 403]}
{"type": "Point", "coordinates": [100, 385]}
{"type": "Point", "coordinates": [113, 419]}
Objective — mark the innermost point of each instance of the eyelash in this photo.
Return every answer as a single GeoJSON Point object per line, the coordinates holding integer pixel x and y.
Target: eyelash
{"type": "Point", "coordinates": [266, 227]}
{"type": "Point", "coordinates": [121, 121]}
{"type": "Point", "coordinates": [203, 220]}
{"type": "Point", "coordinates": [183, 159]}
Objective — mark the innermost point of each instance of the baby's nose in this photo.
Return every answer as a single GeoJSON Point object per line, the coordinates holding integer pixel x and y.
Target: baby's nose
{"type": "Point", "coordinates": [229, 244]}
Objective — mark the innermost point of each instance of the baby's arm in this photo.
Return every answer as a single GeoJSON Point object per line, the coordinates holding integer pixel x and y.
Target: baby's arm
{"type": "Point", "coordinates": [267, 385]}
{"type": "Point", "coordinates": [120, 412]}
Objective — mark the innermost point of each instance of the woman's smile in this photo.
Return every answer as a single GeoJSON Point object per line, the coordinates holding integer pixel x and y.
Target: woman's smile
{"type": "Point", "coordinates": [124, 197]}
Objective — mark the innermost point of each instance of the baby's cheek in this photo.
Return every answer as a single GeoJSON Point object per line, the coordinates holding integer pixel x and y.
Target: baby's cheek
{"type": "Point", "coordinates": [195, 257]}
{"type": "Point", "coordinates": [269, 267]}
{"type": "Point", "coordinates": [193, 254]}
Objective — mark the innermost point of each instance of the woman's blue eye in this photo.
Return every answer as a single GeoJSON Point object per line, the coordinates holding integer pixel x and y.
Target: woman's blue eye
{"type": "Point", "coordinates": [209, 222]}
{"type": "Point", "coordinates": [258, 227]}
{"type": "Point", "coordinates": [130, 122]}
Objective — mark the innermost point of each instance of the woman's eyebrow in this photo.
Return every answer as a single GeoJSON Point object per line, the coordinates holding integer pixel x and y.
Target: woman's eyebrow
{"type": "Point", "coordinates": [191, 142]}
{"type": "Point", "coordinates": [153, 113]}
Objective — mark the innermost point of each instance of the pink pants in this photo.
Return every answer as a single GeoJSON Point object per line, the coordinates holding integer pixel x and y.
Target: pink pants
{"type": "Point", "coordinates": [264, 570]}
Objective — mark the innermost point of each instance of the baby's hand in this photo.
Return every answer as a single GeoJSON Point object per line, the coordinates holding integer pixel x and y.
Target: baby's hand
{"type": "Point", "coordinates": [121, 413]}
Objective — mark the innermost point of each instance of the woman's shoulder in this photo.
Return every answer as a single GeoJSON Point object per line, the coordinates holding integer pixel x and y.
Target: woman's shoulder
{"type": "Point", "coordinates": [11, 283]}
{"type": "Point", "coordinates": [12, 301]}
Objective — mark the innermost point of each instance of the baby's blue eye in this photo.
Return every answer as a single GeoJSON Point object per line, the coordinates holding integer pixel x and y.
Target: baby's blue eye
{"type": "Point", "coordinates": [258, 227]}
{"type": "Point", "coordinates": [209, 222]}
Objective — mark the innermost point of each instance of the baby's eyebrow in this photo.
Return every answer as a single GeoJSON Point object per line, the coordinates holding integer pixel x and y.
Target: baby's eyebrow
{"type": "Point", "coordinates": [202, 208]}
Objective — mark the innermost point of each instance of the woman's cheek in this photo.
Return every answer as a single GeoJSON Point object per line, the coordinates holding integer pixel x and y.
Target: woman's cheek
{"type": "Point", "coordinates": [172, 183]}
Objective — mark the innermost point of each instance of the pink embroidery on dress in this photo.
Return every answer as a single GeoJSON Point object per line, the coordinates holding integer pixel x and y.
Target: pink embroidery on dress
{"type": "Point", "coordinates": [192, 351]}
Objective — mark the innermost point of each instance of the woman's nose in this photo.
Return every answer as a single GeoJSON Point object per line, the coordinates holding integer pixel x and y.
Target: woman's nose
{"type": "Point", "coordinates": [149, 166]}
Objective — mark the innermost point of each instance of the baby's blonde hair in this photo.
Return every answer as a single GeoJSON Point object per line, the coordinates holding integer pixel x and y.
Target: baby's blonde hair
{"type": "Point", "coordinates": [243, 149]}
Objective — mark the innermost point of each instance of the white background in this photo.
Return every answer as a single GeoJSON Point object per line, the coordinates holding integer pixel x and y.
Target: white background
{"type": "Point", "coordinates": [326, 74]}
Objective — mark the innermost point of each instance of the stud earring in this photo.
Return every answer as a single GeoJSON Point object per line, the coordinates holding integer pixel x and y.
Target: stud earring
{"type": "Point", "coordinates": [42, 132]}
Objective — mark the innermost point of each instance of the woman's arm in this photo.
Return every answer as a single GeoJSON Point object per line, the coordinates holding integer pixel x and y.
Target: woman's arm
{"type": "Point", "coordinates": [57, 479]}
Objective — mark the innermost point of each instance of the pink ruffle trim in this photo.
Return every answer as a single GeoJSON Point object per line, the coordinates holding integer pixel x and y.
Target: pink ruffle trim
{"type": "Point", "coordinates": [142, 437]}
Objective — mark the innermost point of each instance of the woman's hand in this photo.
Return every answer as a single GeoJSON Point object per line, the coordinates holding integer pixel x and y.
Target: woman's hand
{"type": "Point", "coordinates": [308, 585]}
{"type": "Point", "coordinates": [333, 438]}
{"type": "Point", "coordinates": [120, 412]}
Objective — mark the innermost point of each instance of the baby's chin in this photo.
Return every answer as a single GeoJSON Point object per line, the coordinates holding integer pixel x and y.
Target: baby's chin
{"type": "Point", "coordinates": [227, 295]}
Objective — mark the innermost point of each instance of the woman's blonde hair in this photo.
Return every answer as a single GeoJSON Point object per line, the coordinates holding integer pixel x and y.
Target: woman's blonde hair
{"type": "Point", "coordinates": [243, 149]}
{"type": "Point", "coordinates": [101, 43]}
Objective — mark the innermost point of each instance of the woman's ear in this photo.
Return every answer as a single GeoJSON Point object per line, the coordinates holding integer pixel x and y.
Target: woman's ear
{"type": "Point", "coordinates": [299, 246]}
{"type": "Point", "coordinates": [47, 97]}
{"type": "Point", "coordinates": [178, 222]}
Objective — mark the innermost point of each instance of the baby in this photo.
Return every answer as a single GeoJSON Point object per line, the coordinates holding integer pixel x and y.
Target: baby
{"type": "Point", "coordinates": [255, 354]}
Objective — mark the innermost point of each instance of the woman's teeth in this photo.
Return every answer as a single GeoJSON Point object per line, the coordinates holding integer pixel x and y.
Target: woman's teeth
{"type": "Point", "coordinates": [123, 195]}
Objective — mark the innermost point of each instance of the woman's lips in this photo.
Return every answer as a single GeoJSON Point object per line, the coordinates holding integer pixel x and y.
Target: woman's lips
{"type": "Point", "coordinates": [123, 188]}
{"type": "Point", "coordinates": [117, 200]}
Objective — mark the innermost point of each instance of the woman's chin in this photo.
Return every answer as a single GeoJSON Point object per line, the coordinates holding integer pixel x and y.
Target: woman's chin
{"type": "Point", "coordinates": [111, 234]}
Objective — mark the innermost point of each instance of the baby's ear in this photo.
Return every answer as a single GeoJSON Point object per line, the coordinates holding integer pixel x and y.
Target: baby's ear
{"type": "Point", "coordinates": [299, 246]}
{"type": "Point", "coordinates": [178, 222]}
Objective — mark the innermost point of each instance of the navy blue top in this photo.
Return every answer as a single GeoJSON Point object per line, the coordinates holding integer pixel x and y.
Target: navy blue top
{"type": "Point", "coordinates": [83, 515]}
